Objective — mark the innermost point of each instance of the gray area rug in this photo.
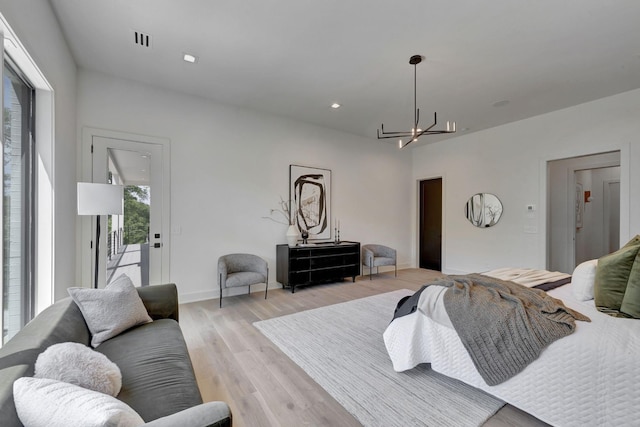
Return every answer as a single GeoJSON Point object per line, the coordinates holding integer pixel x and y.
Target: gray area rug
{"type": "Point", "coordinates": [341, 348]}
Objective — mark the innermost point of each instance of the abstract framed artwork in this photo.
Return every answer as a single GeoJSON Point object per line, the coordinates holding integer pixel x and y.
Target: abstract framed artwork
{"type": "Point", "coordinates": [310, 200]}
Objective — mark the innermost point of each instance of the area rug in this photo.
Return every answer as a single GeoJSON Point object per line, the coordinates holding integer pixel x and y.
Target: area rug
{"type": "Point", "coordinates": [341, 348]}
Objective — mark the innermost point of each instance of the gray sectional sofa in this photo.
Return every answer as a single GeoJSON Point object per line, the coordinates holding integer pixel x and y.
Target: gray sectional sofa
{"type": "Point", "coordinates": [158, 381]}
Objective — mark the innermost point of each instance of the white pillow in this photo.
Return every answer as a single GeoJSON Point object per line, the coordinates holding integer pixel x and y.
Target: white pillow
{"type": "Point", "coordinates": [111, 310]}
{"type": "Point", "coordinates": [583, 279]}
{"type": "Point", "coordinates": [78, 364]}
{"type": "Point", "coordinates": [43, 402]}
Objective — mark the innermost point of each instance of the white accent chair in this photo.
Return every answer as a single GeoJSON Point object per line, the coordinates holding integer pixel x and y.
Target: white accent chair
{"type": "Point", "coordinates": [377, 255]}
{"type": "Point", "coordinates": [242, 270]}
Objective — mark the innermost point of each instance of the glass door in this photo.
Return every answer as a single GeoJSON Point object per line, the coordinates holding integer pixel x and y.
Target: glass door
{"type": "Point", "coordinates": [135, 243]}
{"type": "Point", "coordinates": [17, 203]}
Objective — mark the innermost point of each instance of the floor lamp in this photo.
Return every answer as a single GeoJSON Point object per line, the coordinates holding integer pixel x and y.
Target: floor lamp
{"type": "Point", "coordinates": [99, 199]}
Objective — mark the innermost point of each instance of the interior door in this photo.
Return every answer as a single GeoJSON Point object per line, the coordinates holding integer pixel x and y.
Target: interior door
{"type": "Point", "coordinates": [597, 218]}
{"type": "Point", "coordinates": [135, 243]}
{"type": "Point", "coordinates": [611, 189]}
{"type": "Point", "coordinates": [431, 224]}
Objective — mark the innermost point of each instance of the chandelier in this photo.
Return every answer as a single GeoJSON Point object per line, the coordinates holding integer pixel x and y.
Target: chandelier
{"type": "Point", "coordinates": [415, 132]}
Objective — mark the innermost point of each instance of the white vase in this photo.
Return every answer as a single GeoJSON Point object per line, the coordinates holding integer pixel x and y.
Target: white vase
{"type": "Point", "coordinates": [292, 235]}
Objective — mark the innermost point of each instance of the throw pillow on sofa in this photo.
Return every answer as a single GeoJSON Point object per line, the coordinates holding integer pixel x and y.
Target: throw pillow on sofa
{"type": "Point", "coordinates": [42, 402]}
{"type": "Point", "coordinates": [111, 310]}
{"type": "Point", "coordinates": [78, 364]}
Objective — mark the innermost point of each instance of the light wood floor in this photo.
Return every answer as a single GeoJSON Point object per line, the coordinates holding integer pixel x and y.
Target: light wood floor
{"type": "Point", "coordinates": [235, 363]}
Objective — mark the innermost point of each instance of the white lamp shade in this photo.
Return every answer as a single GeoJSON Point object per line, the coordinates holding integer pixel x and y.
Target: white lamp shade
{"type": "Point", "coordinates": [100, 199]}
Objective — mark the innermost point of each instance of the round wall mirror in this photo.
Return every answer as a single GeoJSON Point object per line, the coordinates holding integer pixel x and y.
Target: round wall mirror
{"type": "Point", "coordinates": [483, 210]}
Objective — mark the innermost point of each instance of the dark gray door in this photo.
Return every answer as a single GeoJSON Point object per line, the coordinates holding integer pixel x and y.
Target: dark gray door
{"type": "Point", "coordinates": [431, 224]}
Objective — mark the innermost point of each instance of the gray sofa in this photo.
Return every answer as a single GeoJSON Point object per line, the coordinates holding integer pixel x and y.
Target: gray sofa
{"type": "Point", "coordinates": [158, 381]}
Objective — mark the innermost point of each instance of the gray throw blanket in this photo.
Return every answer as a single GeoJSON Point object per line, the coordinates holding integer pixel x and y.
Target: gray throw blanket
{"type": "Point", "coordinates": [504, 326]}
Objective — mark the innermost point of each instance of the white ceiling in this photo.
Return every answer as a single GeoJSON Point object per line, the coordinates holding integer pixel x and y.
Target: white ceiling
{"type": "Point", "coordinates": [294, 58]}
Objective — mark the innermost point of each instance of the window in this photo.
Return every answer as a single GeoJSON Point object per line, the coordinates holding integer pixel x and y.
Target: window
{"type": "Point", "coordinates": [18, 197]}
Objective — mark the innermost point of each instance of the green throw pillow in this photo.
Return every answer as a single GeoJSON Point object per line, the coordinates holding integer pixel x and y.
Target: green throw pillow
{"type": "Point", "coordinates": [633, 242]}
{"type": "Point", "coordinates": [612, 276]}
{"type": "Point", "coordinates": [631, 301]}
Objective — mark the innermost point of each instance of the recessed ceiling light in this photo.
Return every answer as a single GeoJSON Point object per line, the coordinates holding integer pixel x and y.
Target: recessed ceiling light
{"type": "Point", "coordinates": [190, 58]}
{"type": "Point", "coordinates": [335, 105]}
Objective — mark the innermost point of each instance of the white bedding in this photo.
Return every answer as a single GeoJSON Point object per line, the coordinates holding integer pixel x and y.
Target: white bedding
{"type": "Point", "coordinates": [528, 277]}
{"type": "Point", "coordinates": [590, 378]}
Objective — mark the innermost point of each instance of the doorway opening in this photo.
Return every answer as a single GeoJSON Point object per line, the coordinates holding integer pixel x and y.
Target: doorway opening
{"type": "Point", "coordinates": [584, 209]}
{"type": "Point", "coordinates": [430, 202]}
{"type": "Point", "coordinates": [128, 237]}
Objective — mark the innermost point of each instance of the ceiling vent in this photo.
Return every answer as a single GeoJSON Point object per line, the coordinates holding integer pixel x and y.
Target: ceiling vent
{"type": "Point", "coordinates": [141, 39]}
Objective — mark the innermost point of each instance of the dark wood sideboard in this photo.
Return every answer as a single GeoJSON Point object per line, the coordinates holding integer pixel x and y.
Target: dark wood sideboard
{"type": "Point", "coordinates": [316, 263]}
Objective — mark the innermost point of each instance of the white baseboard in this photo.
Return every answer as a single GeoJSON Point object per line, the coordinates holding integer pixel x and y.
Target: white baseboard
{"type": "Point", "coordinates": [185, 298]}
{"type": "Point", "coordinates": [383, 269]}
{"type": "Point", "coordinates": [454, 271]}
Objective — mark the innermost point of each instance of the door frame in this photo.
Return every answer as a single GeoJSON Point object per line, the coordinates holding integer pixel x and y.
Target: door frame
{"type": "Point", "coordinates": [544, 196]}
{"type": "Point", "coordinates": [443, 243]}
{"type": "Point", "coordinates": [87, 225]}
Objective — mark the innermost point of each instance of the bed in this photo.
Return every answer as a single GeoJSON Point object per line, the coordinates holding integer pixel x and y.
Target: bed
{"type": "Point", "coordinates": [588, 378]}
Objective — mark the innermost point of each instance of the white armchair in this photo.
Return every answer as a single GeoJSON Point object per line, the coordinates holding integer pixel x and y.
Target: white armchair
{"type": "Point", "coordinates": [377, 255]}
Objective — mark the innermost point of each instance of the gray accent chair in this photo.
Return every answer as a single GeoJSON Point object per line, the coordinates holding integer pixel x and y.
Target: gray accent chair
{"type": "Point", "coordinates": [377, 255]}
{"type": "Point", "coordinates": [242, 270]}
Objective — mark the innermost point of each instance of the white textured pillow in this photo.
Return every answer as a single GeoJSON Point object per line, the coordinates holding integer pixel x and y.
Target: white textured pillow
{"type": "Point", "coordinates": [43, 402]}
{"type": "Point", "coordinates": [78, 364]}
{"type": "Point", "coordinates": [583, 279]}
{"type": "Point", "coordinates": [111, 310]}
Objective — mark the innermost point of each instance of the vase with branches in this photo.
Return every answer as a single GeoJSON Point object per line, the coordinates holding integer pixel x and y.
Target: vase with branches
{"type": "Point", "coordinates": [282, 215]}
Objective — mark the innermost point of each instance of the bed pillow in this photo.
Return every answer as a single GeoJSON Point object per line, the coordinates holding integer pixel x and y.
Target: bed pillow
{"type": "Point", "coordinates": [612, 276]}
{"type": "Point", "coordinates": [111, 310]}
{"type": "Point", "coordinates": [631, 301]}
{"type": "Point", "coordinates": [583, 280]}
{"type": "Point", "coordinates": [42, 402]}
{"type": "Point", "coordinates": [78, 364]}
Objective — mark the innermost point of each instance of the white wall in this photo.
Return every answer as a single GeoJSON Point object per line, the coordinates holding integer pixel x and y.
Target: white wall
{"type": "Point", "coordinates": [37, 28]}
{"type": "Point", "coordinates": [229, 166]}
{"type": "Point", "coordinates": [510, 161]}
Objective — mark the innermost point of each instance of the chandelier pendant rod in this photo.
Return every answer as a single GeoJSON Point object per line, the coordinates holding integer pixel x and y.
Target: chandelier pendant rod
{"type": "Point", "coordinates": [415, 99]}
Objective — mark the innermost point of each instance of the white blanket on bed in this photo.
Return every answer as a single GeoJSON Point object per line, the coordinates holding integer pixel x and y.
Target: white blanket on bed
{"type": "Point", "coordinates": [528, 277]}
{"type": "Point", "coordinates": [586, 379]}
